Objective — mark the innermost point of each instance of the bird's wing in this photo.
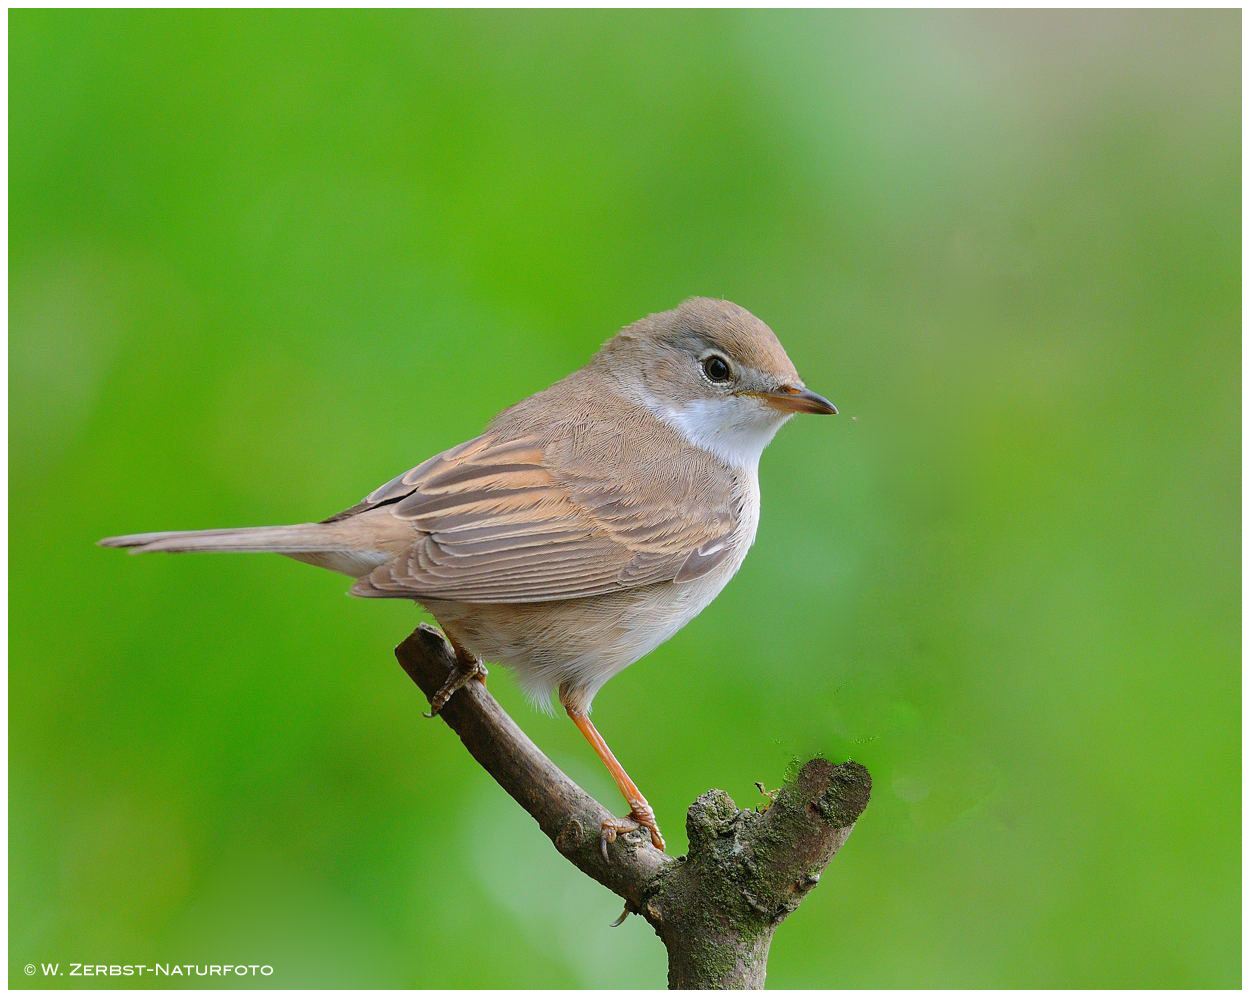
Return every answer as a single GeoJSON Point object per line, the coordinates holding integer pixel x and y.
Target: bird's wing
{"type": "Point", "coordinates": [495, 523]}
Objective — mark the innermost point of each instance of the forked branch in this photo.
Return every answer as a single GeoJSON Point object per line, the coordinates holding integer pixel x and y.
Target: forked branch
{"type": "Point", "coordinates": [716, 908]}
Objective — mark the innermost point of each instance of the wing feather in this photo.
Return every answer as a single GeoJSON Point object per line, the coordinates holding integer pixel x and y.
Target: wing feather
{"type": "Point", "coordinates": [494, 522]}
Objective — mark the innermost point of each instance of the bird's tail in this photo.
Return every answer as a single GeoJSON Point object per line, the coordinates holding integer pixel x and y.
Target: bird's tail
{"type": "Point", "coordinates": [294, 537]}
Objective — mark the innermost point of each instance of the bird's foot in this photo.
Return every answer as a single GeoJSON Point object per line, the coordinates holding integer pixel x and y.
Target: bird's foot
{"type": "Point", "coordinates": [465, 673]}
{"type": "Point", "coordinates": [640, 816]}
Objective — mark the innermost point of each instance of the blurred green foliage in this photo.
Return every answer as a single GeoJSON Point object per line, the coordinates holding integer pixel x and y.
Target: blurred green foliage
{"type": "Point", "coordinates": [262, 261]}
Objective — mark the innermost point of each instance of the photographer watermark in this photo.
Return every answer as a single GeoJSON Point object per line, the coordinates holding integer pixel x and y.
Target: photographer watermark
{"type": "Point", "coordinates": [148, 970]}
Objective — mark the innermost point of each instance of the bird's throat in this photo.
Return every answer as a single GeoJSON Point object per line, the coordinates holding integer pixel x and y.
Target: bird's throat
{"type": "Point", "coordinates": [734, 430]}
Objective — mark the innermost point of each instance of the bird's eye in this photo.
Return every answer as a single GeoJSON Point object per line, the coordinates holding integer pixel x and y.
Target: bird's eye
{"type": "Point", "coordinates": [717, 369]}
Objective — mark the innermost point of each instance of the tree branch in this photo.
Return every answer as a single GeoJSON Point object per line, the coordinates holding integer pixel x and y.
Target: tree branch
{"type": "Point", "coordinates": [716, 908]}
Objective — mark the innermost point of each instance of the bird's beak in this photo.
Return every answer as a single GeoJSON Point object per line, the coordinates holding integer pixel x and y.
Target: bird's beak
{"type": "Point", "coordinates": [792, 398]}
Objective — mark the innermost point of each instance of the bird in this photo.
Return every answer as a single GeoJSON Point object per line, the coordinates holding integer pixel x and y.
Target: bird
{"type": "Point", "coordinates": [584, 527]}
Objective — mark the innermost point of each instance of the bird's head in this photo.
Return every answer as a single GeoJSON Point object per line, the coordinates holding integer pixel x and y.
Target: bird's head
{"type": "Point", "coordinates": [715, 372]}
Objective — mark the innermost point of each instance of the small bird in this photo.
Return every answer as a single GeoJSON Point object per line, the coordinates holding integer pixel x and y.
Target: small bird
{"type": "Point", "coordinates": [586, 526]}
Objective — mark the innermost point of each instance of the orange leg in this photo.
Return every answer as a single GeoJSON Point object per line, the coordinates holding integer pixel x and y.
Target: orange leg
{"type": "Point", "coordinates": [640, 813]}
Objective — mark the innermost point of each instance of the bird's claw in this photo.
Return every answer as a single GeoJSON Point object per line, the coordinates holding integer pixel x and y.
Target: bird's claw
{"type": "Point", "coordinates": [640, 816]}
{"type": "Point", "coordinates": [629, 910]}
{"type": "Point", "coordinates": [468, 672]}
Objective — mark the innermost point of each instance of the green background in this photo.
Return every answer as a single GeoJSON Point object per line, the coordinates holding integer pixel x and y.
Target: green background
{"type": "Point", "coordinates": [260, 262]}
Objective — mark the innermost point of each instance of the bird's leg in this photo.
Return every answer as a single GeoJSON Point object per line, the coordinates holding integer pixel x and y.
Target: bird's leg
{"type": "Point", "coordinates": [468, 667]}
{"type": "Point", "coordinates": [640, 813]}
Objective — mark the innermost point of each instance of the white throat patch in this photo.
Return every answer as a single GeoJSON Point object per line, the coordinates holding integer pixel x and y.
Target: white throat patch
{"type": "Point", "coordinates": [735, 430]}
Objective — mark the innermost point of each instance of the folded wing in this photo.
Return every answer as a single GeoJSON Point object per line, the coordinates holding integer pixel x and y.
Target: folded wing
{"type": "Point", "coordinates": [495, 524]}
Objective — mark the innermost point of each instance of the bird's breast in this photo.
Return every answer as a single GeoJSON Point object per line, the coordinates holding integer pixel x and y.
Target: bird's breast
{"type": "Point", "coordinates": [582, 643]}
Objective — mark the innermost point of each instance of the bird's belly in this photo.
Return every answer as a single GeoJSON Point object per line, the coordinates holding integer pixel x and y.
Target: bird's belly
{"type": "Point", "coordinates": [578, 644]}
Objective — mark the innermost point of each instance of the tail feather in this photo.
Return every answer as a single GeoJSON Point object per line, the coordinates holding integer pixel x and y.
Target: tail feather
{"type": "Point", "coordinates": [291, 538]}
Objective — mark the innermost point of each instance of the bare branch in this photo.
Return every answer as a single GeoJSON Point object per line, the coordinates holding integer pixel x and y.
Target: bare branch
{"type": "Point", "coordinates": [715, 909]}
